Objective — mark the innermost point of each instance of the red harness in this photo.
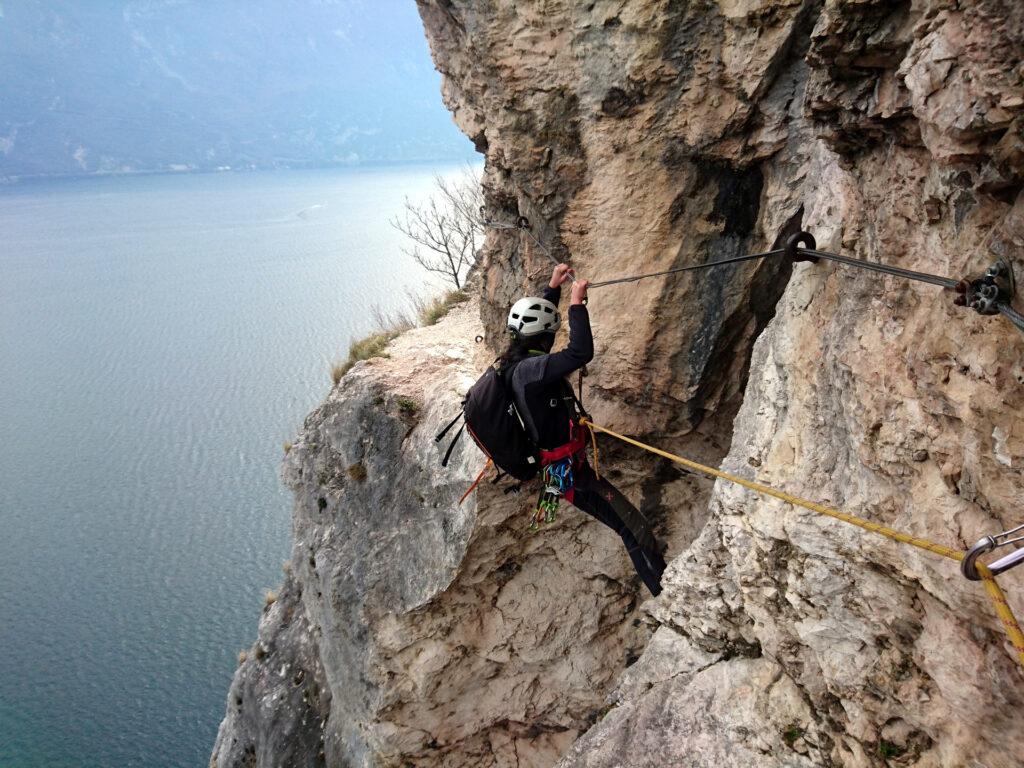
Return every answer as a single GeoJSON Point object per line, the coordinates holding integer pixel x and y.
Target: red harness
{"type": "Point", "coordinates": [574, 448]}
{"type": "Point", "coordinates": [576, 444]}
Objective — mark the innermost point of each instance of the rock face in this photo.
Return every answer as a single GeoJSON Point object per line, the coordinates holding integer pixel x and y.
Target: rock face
{"type": "Point", "coordinates": [635, 137]}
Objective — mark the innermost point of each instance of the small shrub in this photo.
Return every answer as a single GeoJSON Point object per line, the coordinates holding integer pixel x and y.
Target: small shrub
{"type": "Point", "coordinates": [357, 472]}
{"type": "Point", "coordinates": [259, 651]}
{"type": "Point", "coordinates": [435, 309]}
{"type": "Point", "coordinates": [287, 447]}
{"type": "Point", "coordinates": [407, 405]}
{"type": "Point", "coordinates": [791, 734]}
{"type": "Point", "coordinates": [269, 598]}
{"type": "Point", "coordinates": [887, 749]}
{"type": "Point", "coordinates": [242, 656]}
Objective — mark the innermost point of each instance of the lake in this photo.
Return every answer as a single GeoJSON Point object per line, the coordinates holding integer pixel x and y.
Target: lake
{"type": "Point", "coordinates": [161, 337]}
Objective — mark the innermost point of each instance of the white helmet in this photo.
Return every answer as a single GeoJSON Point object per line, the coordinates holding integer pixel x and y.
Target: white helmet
{"type": "Point", "coordinates": [531, 316]}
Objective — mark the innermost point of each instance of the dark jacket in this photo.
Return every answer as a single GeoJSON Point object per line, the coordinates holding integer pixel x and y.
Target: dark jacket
{"type": "Point", "coordinates": [541, 392]}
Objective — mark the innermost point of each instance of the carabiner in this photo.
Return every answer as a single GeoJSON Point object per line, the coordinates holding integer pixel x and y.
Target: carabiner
{"type": "Point", "coordinates": [969, 565]}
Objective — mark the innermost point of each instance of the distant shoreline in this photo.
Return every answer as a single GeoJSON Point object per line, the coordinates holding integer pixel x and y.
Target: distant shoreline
{"type": "Point", "coordinates": [17, 179]}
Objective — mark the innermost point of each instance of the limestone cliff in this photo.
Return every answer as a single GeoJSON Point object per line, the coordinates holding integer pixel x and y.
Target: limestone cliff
{"type": "Point", "coordinates": [638, 136]}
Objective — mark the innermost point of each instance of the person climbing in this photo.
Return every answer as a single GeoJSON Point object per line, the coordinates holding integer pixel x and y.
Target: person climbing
{"type": "Point", "coordinates": [548, 409]}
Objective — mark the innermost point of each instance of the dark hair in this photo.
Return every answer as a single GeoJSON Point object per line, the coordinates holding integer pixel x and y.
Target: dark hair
{"type": "Point", "coordinates": [520, 347]}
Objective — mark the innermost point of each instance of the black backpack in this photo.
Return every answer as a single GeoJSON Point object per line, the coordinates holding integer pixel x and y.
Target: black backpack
{"type": "Point", "coordinates": [490, 413]}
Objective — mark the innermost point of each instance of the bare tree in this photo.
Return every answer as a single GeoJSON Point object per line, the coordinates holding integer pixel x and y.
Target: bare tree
{"type": "Point", "coordinates": [447, 229]}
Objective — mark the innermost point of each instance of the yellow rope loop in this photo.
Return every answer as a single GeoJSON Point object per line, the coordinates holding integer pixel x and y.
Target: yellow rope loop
{"type": "Point", "coordinates": [1002, 607]}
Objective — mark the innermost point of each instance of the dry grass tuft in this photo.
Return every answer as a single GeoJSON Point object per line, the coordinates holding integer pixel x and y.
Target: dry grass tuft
{"type": "Point", "coordinates": [432, 311]}
{"type": "Point", "coordinates": [338, 369]}
{"type": "Point", "coordinates": [269, 598]}
{"type": "Point", "coordinates": [366, 348]}
{"type": "Point", "coordinates": [392, 325]}
{"type": "Point", "coordinates": [242, 656]}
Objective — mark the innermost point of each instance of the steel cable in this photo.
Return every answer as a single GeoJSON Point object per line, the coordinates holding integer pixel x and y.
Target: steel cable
{"type": "Point", "coordinates": [923, 277]}
{"type": "Point", "coordinates": [691, 267]}
{"type": "Point", "coordinates": [1012, 315]}
{"type": "Point", "coordinates": [1002, 307]}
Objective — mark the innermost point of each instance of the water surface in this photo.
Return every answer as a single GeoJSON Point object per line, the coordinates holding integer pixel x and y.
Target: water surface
{"type": "Point", "coordinates": [160, 338]}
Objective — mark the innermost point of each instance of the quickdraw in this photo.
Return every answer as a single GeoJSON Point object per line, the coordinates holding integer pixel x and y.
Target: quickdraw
{"type": "Point", "coordinates": [557, 481]}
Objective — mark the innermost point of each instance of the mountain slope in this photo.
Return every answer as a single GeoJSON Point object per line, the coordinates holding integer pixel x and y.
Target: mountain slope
{"type": "Point", "coordinates": [171, 85]}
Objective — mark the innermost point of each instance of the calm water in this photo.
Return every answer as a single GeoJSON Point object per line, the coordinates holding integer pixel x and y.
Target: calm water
{"type": "Point", "coordinates": [160, 338]}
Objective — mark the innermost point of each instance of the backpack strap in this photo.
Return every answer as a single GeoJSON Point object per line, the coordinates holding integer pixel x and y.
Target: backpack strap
{"type": "Point", "coordinates": [451, 446]}
{"type": "Point", "coordinates": [451, 424]}
{"type": "Point", "coordinates": [579, 398]}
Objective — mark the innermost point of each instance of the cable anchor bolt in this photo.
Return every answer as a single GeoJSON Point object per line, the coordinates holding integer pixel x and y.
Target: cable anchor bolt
{"type": "Point", "coordinates": [986, 544]}
{"type": "Point", "coordinates": [984, 294]}
{"type": "Point", "coordinates": [799, 242]}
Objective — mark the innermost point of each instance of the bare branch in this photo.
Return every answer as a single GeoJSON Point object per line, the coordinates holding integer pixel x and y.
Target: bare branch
{"type": "Point", "coordinates": [448, 227]}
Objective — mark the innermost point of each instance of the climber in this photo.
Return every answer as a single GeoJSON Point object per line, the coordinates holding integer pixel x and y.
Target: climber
{"type": "Point", "coordinates": [547, 406]}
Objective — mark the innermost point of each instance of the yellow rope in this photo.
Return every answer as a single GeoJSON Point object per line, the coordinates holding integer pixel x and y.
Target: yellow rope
{"type": "Point", "coordinates": [593, 442]}
{"type": "Point", "coordinates": [1003, 610]}
{"type": "Point", "coordinates": [994, 591]}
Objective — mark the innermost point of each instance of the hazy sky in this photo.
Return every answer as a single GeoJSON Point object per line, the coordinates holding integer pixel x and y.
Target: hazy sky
{"type": "Point", "coordinates": [119, 85]}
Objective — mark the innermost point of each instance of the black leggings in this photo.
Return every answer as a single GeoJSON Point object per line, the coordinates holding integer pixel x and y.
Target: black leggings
{"type": "Point", "coordinates": [603, 501]}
